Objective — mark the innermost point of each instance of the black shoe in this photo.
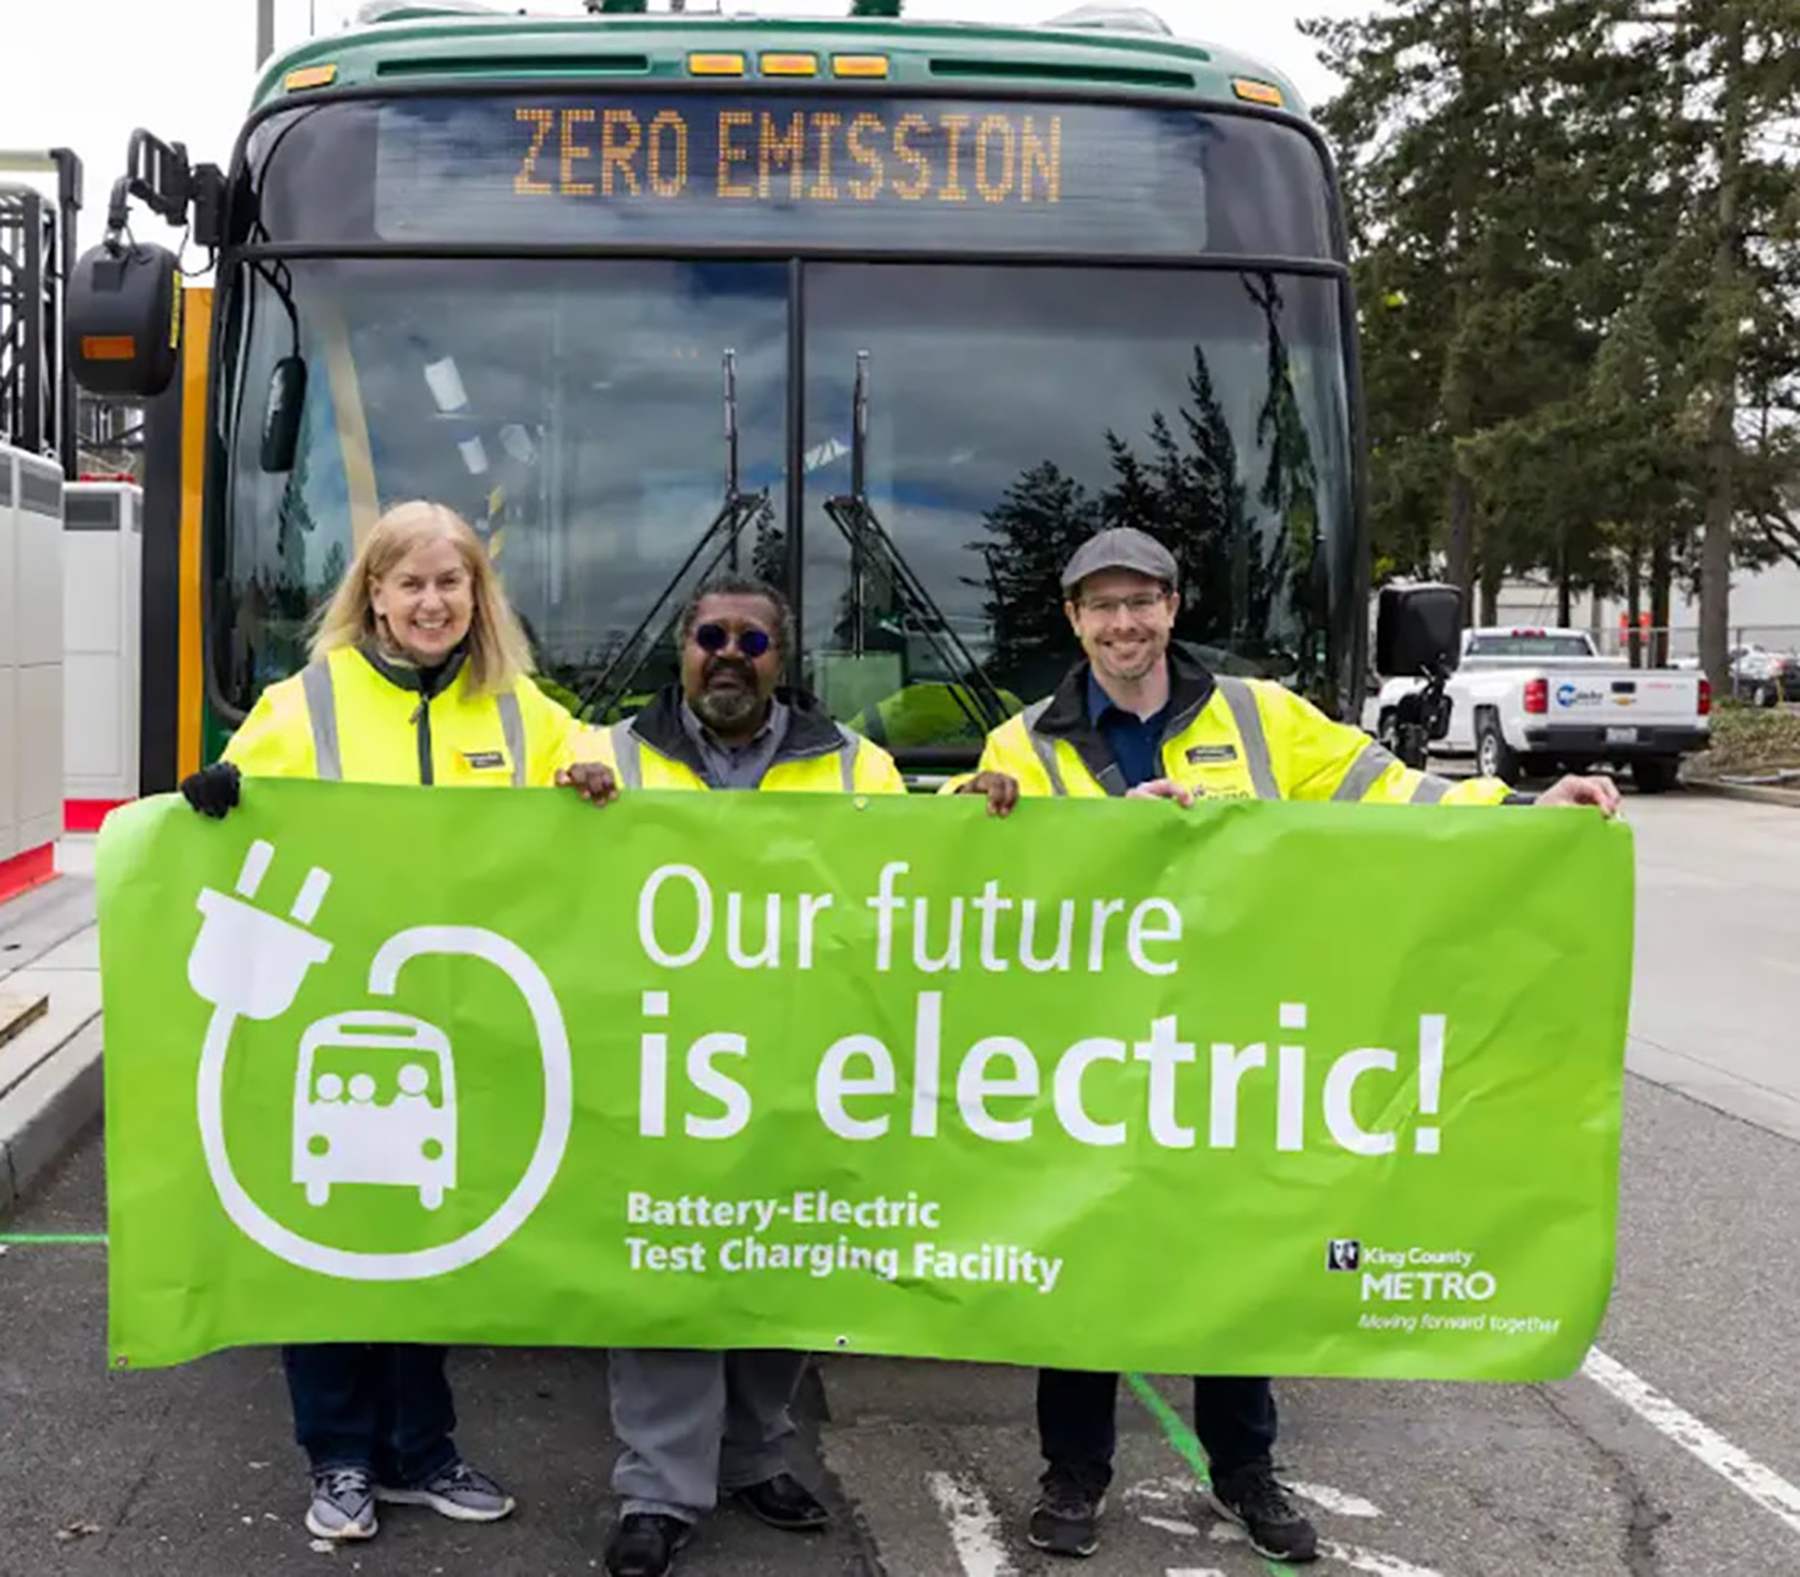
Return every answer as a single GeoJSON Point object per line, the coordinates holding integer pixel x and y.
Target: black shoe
{"type": "Point", "coordinates": [1278, 1529]}
{"type": "Point", "coordinates": [645, 1544]}
{"type": "Point", "coordinates": [1066, 1518]}
{"type": "Point", "coordinates": [784, 1502]}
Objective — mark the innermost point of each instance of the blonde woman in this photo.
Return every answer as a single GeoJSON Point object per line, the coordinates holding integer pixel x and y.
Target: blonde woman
{"type": "Point", "coordinates": [420, 673]}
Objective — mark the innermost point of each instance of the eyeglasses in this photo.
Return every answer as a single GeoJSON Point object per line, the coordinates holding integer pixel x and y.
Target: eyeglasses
{"type": "Point", "coordinates": [1139, 602]}
{"type": "Point", "coordinates": [715, 638]}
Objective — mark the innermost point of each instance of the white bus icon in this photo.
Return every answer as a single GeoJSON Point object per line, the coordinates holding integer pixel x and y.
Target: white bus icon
{"type": "Point", "coordinates": [341, 1135]}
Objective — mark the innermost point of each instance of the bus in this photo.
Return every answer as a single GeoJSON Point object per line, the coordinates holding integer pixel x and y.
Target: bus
{"type": "Point", "coordinates": [889, 311]}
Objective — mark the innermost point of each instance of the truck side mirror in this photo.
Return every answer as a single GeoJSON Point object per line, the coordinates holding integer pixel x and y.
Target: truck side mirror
{"type": "Point", "coordinates": [1417, 629]}
{"type": "Point", "coordinates": [122, 318]}
{"type": "Point", "coordinates": [282, 414]}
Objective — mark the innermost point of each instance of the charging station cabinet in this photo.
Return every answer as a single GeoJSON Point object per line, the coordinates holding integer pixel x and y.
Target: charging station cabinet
{"type": "Point", "coordinates": [31, 668]}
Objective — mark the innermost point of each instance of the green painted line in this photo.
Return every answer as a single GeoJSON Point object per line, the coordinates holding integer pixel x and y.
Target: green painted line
{"type": "Point", "coordinates": [1183, 1439]}
{"type": "Point", "coordinates": [1186, 1445]}
{"type": "Point", "coordinates": [9, 1239]}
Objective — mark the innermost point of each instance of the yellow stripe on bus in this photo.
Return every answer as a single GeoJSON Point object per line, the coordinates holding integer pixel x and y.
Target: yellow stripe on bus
{"type": "Point", "coordinates": [194, 348]}
{"type": "Point", "coordinates": [352, 422]}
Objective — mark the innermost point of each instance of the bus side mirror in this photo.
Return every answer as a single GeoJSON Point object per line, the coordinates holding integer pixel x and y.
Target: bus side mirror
{"type": "Point", "coordinates": [122, 319]}
{"type": "Point", "coordinates": [281, 415]}
{"type": "Point", "coordinates": [1417, 630]}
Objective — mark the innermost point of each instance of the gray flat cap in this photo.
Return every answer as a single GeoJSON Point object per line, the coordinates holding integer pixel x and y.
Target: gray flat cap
{"type": "Point", "coordinates": [1123, 547]}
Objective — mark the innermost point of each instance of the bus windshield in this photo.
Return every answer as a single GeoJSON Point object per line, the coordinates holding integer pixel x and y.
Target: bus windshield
{"type": "Point", "coordinates": [576, 411]}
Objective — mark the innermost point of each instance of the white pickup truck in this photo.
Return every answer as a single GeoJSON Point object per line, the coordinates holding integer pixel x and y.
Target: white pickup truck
{"type": "Point", "coordinates": [1527, 702]}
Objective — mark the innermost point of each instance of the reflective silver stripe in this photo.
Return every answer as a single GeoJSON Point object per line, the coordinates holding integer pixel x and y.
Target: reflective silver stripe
{"type": "Point", "coordinates": [847, 757]}
{"type": "Point", "coordinates": [512, 726]}
{"type": "Point", "coordinates": [628, 753]}
{"type": "Point", "coordinates": [1045, 748]}
{"type": "Point", "coordinates": [1430, 790]}
{"type": "Point", "coordinates": [321, 708]}
{"type": "Point", "coordinates": [1241, 699]}
{"type": "Point", "coordinates": [1364, 770]}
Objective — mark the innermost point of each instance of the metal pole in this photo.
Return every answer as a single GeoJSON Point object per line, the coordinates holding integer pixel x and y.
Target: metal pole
{"type": "Point", "coordinates": [68, 204]}
{"type": "Point", "coordinates": [265, 30]}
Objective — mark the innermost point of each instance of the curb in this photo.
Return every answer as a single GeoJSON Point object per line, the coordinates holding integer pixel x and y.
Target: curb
{"type": "Point", "coordinates": [1745, 791]}
{"type": "Point", "coordinates": [47, 1111]}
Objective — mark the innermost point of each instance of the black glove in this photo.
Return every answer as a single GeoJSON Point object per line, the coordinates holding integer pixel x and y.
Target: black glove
{"type": "Point", "coordinates": [212, 790]}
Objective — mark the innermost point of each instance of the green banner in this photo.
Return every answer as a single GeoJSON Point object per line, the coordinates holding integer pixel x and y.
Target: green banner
{"type": "Point", "coordinates": [1288, 1089]}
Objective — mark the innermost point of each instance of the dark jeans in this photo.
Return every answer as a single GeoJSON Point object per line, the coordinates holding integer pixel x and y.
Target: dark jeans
{"type": "Point", "coordinates": [1234, 1418]}
{"type": "Point", "coordinates": [381, 1406]}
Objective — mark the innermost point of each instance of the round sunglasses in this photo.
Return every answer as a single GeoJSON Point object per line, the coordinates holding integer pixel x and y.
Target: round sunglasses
{"type": "Point", "coordinates": [715, 638]}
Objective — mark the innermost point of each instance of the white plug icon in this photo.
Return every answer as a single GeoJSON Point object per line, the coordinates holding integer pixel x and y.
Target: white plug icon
{"type": "Point", "coordinates": [248, 961]}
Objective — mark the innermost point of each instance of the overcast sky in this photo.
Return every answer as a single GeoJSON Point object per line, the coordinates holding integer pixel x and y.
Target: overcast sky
{"type": "Point", "coordinates": [82, 73]}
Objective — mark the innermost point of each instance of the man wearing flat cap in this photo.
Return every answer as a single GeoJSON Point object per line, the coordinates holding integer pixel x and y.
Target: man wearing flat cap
{"type": "Point", "coordinates": [1141, 718]}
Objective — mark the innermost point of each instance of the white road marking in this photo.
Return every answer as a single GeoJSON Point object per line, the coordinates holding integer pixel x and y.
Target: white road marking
{"type": "Point", "coordinates": [1377, 1563]}
{"type": "Point", "coordinates": [1339, 1501]}
{"type": "Point", "coordinates": [974, 1529]}
{"type": "Point", "coordinates": [1193, 1571]}
{"type": "Point", "coordinates": [1767, 1488]}
{"type": "Point", "coordinates": [1186, 1530]}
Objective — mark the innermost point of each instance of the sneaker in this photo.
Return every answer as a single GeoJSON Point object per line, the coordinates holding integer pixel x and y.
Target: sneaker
{"type": "Point", "coordinates": [645, 1544]}
{"type": "Point", "coordinates": [456, 1491]}
{"type": "Point", "coordinates": [784, 1502]}
{"type": "Point", "coordinates": [1278, 1529]}
{"type": "Point", "coordinates": [1066, 1518]}
{"type": "Point", "coordinates": [343, 1504]}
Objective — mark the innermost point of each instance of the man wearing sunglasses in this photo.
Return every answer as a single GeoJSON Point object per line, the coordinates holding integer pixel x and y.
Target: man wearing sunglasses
{"type": "Point", "coordinates": [693, 1424]}
{"type": "Point", "coordinates": [1140, 717]}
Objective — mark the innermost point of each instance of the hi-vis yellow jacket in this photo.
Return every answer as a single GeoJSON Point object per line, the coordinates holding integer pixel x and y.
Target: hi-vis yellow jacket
{"type": "Point", "coordinates": [353, 717]}
{"type": "Point", "coordinates": [1225, 739]}
{"type": "Point", "coordinates": [815, 756]}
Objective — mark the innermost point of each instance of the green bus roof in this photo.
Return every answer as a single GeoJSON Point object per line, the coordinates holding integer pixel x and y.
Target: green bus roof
{"type": "Point", "coordinates": [420, 43]}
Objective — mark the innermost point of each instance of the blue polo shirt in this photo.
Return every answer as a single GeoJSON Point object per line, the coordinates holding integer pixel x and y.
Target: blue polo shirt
{"type": "Point", "coordinates": [1135, 742]}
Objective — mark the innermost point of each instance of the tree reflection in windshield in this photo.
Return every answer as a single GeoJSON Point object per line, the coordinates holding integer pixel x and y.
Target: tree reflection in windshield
{"type": "Point", "coordinates": [1221, 464]}
{"type": "Point", "coordinates": [1186, 492]}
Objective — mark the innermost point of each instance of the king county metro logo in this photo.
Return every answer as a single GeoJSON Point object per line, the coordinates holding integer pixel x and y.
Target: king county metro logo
{"type": "Point", "coordinates": [1412, 1275]}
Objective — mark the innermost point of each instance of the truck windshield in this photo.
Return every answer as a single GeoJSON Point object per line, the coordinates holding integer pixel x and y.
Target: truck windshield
{"type": "Point", "coordinates": [1548, 647]}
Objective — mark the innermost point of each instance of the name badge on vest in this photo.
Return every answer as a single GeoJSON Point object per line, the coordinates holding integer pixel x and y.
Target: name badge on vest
{"type": "Point", "coordinates": [484, 760]}
{"type": "Point", "coordinates": [1212, 755]}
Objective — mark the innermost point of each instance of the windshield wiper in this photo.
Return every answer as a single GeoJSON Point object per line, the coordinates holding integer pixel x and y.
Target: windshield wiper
{"type": "Point", "coordinates": [738, 510]}
{"type": "Point", "coordinates": [872, 549]}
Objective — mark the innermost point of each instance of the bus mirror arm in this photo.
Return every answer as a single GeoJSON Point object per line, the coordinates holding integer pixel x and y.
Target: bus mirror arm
{"type": "Point", "coordinates": [158, 175]}
{"type": "Point", "coordinates": [1423, 715]}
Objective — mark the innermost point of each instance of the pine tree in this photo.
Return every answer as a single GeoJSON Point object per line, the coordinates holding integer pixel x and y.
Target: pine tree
{"type": "Point", "coordinates": [1566, 214]}
{"type": "Point", "coordinates": [1038, 523]}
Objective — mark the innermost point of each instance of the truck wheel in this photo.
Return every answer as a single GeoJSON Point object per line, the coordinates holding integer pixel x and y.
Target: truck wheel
{"type": "Point", "coordinates": [1494, 758]}
{"type": "Point", "coordinates": [1387, 730]}
{"type": "Point", "coordinates": [1656, 774]}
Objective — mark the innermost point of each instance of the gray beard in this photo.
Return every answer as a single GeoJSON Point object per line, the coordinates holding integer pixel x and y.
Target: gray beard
{"type": "Point", "coordinates": [727, 710]}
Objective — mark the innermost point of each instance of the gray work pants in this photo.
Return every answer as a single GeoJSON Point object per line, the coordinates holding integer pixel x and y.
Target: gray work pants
{"type": "Point", "coordinates": [694, 1423]}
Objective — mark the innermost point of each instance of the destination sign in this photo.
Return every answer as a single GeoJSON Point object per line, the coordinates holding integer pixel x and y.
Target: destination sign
{"type": "Point", "coordinates": [931, 173]}
{"type": "Point", "coordinates": [793, 155]}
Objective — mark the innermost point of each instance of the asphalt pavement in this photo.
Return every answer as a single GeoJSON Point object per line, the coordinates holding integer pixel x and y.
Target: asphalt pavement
{"type": "Point", "coordinates": [1676, 1451]}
